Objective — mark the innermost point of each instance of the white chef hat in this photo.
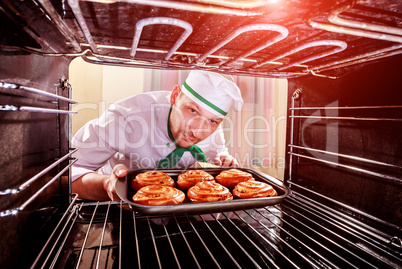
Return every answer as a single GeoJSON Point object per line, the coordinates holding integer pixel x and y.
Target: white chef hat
{"type": "Point", "coordinates": [212, 91]}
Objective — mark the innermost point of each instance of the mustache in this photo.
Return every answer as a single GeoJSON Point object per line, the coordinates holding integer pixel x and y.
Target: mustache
{"type": "Point", "coordinates": [188, 135]}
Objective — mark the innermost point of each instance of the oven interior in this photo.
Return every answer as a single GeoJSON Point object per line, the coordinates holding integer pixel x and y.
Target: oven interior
{"type": "Point", "coordinates": [343, 163]}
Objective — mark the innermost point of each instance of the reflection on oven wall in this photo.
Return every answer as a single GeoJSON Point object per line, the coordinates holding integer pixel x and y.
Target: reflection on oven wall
{"type": "Point", "coordinates": [255, 136]}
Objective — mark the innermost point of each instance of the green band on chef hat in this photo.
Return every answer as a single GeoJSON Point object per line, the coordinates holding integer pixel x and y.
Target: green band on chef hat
{"type": "Point", "coordinates": [212, 91]}
{"type": "Point", "coordinates": [205, 101]}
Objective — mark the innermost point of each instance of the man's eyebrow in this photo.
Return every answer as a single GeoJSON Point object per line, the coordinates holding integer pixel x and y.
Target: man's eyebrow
{"type": "Point", "coordinates": [217, 119]}
{"type": "Point", "coordinates": [198, 110]}
{"type": "Point", "coordinates": [194, 104]}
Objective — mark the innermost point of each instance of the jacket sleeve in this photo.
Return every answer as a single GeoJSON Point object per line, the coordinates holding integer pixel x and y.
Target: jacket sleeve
{"type": "Point", "coordinates": [96, 144]}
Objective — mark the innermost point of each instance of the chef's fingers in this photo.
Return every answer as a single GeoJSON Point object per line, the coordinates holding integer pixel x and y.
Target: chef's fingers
{"type": "Point", "coordinates": [218, 161]}
{"type": "Point", "coordinates": [234, 163]}
{"type": "Point", "coordinates": [109, 187]}
{"type": "Point", "coordinates": [226, 161]}
{"type": "Point", "coordinates": [124, 206]}
{"type": "Point", "coordinates": [113, 196]}
{"type": "Point", "coordinates": [120, 170]}
{"type": "Point", "coordinates": [229, 161]}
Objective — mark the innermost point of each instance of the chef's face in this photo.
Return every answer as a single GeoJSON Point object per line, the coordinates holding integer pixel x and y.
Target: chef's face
{"type": "Point", "coordinates": [189, 122]}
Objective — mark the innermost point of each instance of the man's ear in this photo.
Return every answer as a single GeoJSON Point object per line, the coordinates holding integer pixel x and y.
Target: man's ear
{"type": "Point", "coordinates": [175, 93]}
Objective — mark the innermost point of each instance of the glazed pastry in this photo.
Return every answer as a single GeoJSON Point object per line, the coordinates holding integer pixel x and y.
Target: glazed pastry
{"type": "Point", "coordinates": [208, 191]}
{"type": "Point", "coordinates": [158, 195]}
{"type": "Point", "coordinates": [192, 177]}
{"type": "Point", "coordinates": [230, 178]}
{"type": "Point", "coordinates": [151, 178]}
{"type": "Point", "coordinates": [253, 189]}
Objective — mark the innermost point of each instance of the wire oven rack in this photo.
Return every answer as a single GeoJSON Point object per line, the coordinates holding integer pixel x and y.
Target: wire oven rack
{"type": "Point", "coordinates": [298, 233]}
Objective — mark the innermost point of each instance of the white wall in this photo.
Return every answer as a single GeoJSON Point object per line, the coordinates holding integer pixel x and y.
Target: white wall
{"type": "Point", "coordinates": [121, 82]}
{"type": "Point", "coordinates": [96, 87]}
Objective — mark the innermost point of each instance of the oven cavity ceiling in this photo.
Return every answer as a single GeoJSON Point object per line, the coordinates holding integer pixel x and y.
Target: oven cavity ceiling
{"type": "Point", "coordinates": [270, 38]}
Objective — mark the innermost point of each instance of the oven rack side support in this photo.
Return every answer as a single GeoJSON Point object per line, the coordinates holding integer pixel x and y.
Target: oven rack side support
{"type": "Point", "coordinates": [28, 185]}
{"type": "Point", "coordinates": [307, 186]}
{"type": "Point", "coordinates": [27, 202]}
{"type": "Point", "coordinates": [360, 159]}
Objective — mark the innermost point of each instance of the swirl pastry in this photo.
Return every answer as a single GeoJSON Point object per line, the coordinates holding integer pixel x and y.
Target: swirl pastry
{"type": "Point", "coordinates": [158, 195]}
{"type": "Point", "coordinates": [151, 178]}
{"type": "Point", "coordinates": [208, 191]}
{"type": "Point", "coordinates": [230, 178]}
{"type": "Point", "coordinates": [192, 177]}
{"type": "Point", "coordinates": [253, 189]}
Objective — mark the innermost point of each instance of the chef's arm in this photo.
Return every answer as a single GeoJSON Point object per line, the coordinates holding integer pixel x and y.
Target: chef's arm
{"type": "Point", "coordinates": [94, 186]}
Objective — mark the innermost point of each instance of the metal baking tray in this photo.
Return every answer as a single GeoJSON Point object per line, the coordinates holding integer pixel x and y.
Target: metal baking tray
{"type": "Point", "coordinates": [126, 192]}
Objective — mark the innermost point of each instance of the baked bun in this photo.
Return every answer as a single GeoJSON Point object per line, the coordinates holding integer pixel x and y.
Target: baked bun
{"type": "Point", "coordinates": [208, 191]}
{"type": "Point", "coordinates": [230, 178]}
{"type": "Point", "coordinates": [151, 178]}
{"type": "Point", "coordinates": [253, 189]}
{"type": "Point", "coordinates": [192, 177]}
{"type": "Point", "coordinates": [158, 195]}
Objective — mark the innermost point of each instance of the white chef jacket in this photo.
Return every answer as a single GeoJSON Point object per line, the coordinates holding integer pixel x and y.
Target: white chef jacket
{"type": "Point", "coordinates": [134, 132]}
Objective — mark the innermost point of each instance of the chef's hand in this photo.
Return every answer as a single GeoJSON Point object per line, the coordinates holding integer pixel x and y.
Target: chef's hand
{"type": "Point", "coordinates": [226, 160]}
{"type": "Point", "coordinates": [109, 183]}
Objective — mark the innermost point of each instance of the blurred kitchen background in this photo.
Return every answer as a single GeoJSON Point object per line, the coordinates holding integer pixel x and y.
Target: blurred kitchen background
{"type": "Point", "coordinates": [255, 136]}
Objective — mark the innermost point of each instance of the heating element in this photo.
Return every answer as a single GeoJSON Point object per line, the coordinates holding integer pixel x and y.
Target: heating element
{"type": "Point", "coordinates": [299, 233]}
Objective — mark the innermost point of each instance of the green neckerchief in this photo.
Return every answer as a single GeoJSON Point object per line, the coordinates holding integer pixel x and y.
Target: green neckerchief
{"type": "Point", "coordinates": [174, 157]}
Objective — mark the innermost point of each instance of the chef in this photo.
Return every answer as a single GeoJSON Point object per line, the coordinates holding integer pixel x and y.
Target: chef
{"type": "Point", "coordinates": [155, 130]}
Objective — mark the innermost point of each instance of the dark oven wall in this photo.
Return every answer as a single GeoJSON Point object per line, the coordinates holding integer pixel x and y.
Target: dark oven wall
{"type": "Point", "coordinates": [368, 125]}
{"type": "Point", "coordinates": [31, 141]}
